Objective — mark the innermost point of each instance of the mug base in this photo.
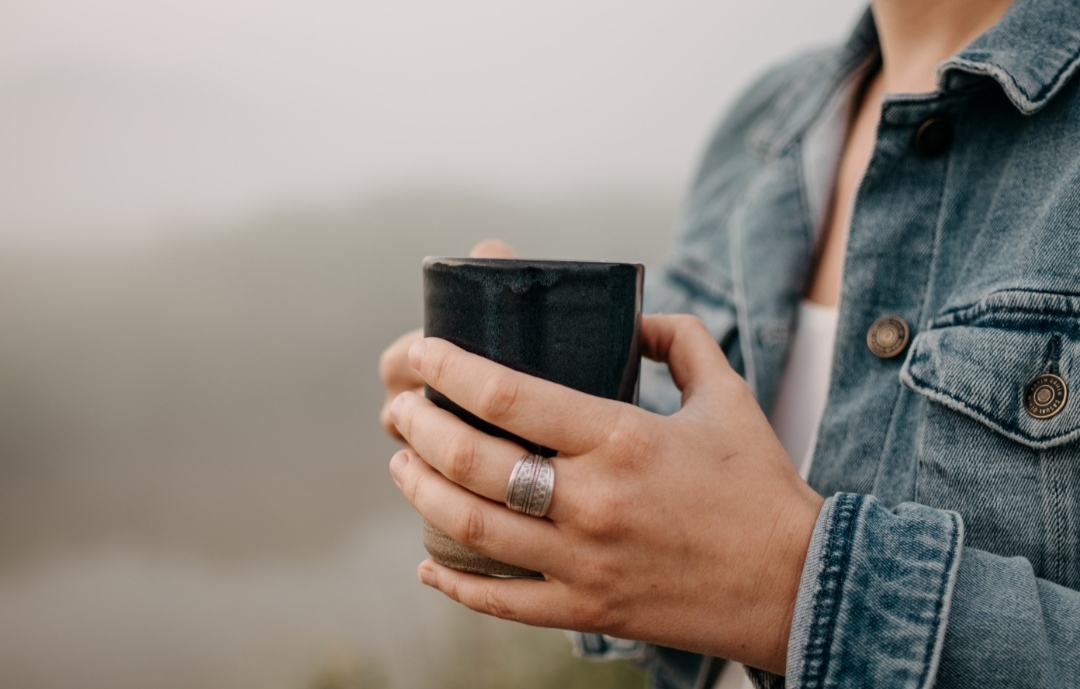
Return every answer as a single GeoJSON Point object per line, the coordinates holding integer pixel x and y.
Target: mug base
{"type": "Point", "coordinates": [450, 553]}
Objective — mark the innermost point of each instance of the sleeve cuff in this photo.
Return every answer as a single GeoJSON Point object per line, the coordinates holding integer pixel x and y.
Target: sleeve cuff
{"type": "Point", "coordinates": [874, 597]}
{"type": "Point", "coordinates": [604, 647]}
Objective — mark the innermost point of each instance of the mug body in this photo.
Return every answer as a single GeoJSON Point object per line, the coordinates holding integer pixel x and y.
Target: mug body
{"type": "Point", "coordinates": [576, 323]}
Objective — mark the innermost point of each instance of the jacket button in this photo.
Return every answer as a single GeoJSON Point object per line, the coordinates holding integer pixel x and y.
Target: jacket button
{"type": "Point", "coordinates": [888, 336]}
{"type": "Point", "coordinates": [933, 137]}
{"type": "Point", "coordinates": [1045, 396]}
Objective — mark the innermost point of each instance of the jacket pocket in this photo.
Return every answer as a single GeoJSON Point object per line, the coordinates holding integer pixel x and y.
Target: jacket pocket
{"type": "Point", "coordinates": [1014, 478]}
{"type": "Point", "coordinates": [980, 360]}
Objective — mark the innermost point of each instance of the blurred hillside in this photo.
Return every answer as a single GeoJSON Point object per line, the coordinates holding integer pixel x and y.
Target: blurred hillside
{"type": "Point", "coordinates": [212, 403]}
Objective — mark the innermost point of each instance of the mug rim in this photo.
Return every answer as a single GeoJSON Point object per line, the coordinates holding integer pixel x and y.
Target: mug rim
{"type": "Point", "coordinates": [520, 262]}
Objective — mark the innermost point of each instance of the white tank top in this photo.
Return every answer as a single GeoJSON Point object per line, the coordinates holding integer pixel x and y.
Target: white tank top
{"type": "Point", "coordinates": [804, 385]}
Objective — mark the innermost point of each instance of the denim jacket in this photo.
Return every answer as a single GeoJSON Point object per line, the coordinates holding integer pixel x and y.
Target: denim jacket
{"type": "Point", "coordinates": [947, 553]}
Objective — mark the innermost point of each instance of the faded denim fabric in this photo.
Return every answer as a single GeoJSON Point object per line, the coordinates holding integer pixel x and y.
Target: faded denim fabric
{"type": "Point", "coordinates": [947, 553]}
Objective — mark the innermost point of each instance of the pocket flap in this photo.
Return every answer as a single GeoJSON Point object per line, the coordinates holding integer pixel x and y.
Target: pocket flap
{"type": "Point", "coordinates": [981, 360]}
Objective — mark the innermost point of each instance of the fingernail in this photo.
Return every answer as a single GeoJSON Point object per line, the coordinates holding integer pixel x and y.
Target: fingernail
{"type": "Point", "coordinates": [397, 465]}
{"type": "Point", "coordinates": [416, 353]}
{"type": "Point", "coordinates": [427, 576]}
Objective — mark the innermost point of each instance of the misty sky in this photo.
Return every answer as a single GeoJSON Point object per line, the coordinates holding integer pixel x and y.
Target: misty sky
{"type": "Point", "coordinates": [125, 119]}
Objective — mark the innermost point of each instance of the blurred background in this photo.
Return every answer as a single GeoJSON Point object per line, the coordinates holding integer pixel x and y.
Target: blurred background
{"type": "Point", "coordinates": [212, 216]}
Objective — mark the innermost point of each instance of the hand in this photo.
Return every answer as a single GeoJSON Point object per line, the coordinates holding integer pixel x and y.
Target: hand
{"type": "Point", "coordinates": [394, 370]}
{"type": "Point", "coordinates": [687, 531]}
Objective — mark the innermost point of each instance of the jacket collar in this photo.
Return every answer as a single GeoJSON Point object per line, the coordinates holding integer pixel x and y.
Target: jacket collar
{"type": "Point", "coordinates": [1031, 52]}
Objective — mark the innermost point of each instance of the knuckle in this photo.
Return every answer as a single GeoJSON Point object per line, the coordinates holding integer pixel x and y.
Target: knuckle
{"type": "Point", "coordinates": [600, 607]}
{"type": "Point", "coordinates": [690, 329]}
{"type": "Point", "coordinates": [412, 487]}
{"type": "Point", "coordinates": [473, 531]}
{"type": "Point", "coordinates": [463, 465]}
{"type": "Point", "coordinates": [604, 516]}
{"type": "Point", "coordinates": [495, 604]}
{"type": "Point", "coordinates": [630, 436]}
{"type": "Point", "coordinates": [690, 321]}
{"type": "Point", "coordinates": [406, 413]}
{"type": "Point", "coordinates": [593, 613]}
{"type": "Point", "coordinates": [498, 397]}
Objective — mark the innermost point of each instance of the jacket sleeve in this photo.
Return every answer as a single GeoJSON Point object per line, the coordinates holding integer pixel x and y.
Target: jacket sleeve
{"type": "Point", "coordinates": [892, 598]}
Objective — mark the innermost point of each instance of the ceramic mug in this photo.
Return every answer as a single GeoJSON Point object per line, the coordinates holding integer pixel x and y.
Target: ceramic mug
{"type": "Point", "coordinates": [576, 323]}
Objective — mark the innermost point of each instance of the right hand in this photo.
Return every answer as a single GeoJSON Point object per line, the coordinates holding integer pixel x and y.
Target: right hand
{"type": "Point", "coordinates": [394, 369]}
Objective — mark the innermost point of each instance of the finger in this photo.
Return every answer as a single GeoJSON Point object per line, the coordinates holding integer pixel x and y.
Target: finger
{"type": "Point", "coordinates": [493, 248]}
{"type": "Point", "coordinates": [386, 414]}
{"type": "Point", "coordinates": [532, 602]}
{"type": "Point", "coordinates": [696, 362]}
{"type": "Point", "coordinates": [458, 451]}
{"type": "Point", "coordinates": [478, 524]}
{"type": "Point", "coordinates": [538, 410]}
{"type": "Point", "coordinates": [394, 369]}
{"type": "Point", "coordinates": [472, 459]}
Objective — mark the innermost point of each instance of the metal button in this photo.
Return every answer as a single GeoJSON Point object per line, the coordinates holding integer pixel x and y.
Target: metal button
{"type": "Point", "coordinates": [888, 336]}
{"type": "Point", "coordinates": [934, 137]}
{"type": "Point", "coordinates": [1045, 396]}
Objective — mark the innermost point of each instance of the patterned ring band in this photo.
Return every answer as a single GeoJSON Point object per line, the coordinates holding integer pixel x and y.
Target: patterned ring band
{"type": "Point", "coordinates": [531, 485]}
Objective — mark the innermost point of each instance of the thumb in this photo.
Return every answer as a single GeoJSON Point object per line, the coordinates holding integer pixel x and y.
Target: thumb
{"type": "Point", "coordinates": [492, 248]}
{"type": "Point", "coordinates": [696, 362]}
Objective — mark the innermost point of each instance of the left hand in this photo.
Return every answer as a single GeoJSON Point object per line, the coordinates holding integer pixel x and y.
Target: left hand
{"type": "Point", "coordinates": [687, 530]}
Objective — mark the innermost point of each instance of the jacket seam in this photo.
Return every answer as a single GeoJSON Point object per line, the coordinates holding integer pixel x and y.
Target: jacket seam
{"type": "Point", "coordinates": [738, 284]}
{"type": "Point", "coordinates": [1059, 78]}
{"type": "Point", "coordinates": [771, 134]}
{"type": "Point", "coordinates": [1026, 103]}
{"type": "Point", "coordinates": [999, 302]}
{"type": "Point", "coordinates": [809, 225]}
{"type": "Point", "coordinates": [993, 68]}
{"type": "Point", "coordinates": [830, 585]}
{"type": "Point", "coordinates": [925, 388]}
{"type": "Point", "coordinates": [939, 607]}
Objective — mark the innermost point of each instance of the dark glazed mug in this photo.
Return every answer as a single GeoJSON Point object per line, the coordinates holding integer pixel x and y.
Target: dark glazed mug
{"type": "Point", "coordinates": [575, 323]}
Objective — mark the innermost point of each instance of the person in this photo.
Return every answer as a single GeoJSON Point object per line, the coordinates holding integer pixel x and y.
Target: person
{"type": "Point", "coordinates": [923, 179]}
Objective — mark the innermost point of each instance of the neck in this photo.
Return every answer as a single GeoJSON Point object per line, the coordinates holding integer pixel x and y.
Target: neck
{"type": "Point", "coordinates": [917, 35]}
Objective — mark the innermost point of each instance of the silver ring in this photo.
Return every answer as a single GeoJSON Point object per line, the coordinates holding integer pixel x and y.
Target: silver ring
{"type": "Point", "coordinates": [531, 485]}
